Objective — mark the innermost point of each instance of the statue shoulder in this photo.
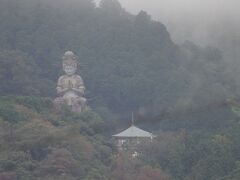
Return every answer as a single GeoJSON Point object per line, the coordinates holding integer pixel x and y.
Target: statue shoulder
{"type": "Point", "coordinates": [61, 78]}
{"type": "Point", "coordinates": [77, 77]}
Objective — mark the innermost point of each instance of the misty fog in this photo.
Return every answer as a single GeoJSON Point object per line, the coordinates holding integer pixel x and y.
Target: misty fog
{"type": "Point", "coordinates": [201, 16]}
{"type": "Point", "coordinates": [205, 22]}
{"type": "Point", "coordinates": [95, 93]}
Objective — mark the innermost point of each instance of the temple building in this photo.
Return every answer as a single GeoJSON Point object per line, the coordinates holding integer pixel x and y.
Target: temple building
{"type": "Point", "coordinates": [131, 138]}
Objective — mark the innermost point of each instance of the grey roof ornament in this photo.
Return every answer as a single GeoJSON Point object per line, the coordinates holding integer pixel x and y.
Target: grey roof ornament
{"type": "Point", "coordinates": [132, 119]}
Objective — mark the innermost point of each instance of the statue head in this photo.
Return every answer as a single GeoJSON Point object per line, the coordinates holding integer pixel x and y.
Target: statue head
{"type": "Point", "coordinates": [69, 63]}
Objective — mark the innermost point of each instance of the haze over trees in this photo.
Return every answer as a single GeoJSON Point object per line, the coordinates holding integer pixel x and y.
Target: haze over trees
{"type": "Point", "coordinates": [128, 63]}
{"type": "Point", "coordinates": [119, 53]}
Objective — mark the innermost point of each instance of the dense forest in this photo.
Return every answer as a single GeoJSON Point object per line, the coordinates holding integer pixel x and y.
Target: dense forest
{"type": "Point", "coordinates": [129, 63]}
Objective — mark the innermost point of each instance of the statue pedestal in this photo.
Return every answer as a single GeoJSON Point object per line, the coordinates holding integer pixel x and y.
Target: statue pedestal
{"type": "Point", "coordinates": [76, 104]}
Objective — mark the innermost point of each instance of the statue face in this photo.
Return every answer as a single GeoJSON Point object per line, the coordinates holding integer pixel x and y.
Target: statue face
{"type": "Point", "coordinates": [70, 67]}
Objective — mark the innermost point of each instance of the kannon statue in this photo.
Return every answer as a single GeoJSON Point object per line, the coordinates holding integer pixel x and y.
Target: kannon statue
{"type": "Point", "coordinates": [70, 87]}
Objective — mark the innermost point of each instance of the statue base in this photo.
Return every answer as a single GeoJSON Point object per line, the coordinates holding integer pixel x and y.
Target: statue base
{"type": "Point", "coordinates": [75, 104]}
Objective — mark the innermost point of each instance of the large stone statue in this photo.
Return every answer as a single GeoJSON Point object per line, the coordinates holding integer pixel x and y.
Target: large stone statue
{"type": "Point", "coordinates": [70, 87]}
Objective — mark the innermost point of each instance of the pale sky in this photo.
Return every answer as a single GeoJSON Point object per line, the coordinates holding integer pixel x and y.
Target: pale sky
{"type": "Point", "coordinates": [190, 19]}
{"type": "Point", "coordinates": [183, 6]}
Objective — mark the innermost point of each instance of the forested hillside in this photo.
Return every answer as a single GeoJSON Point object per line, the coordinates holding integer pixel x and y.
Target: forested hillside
{"type": "Point", "coordinates": [183, 93]}
{"type": "Point", "coordinates": [127, 62]}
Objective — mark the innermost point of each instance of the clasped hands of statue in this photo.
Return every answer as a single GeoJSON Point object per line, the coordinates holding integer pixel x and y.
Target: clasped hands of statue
{"type": "Point", "coordinates": [79, 90]}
